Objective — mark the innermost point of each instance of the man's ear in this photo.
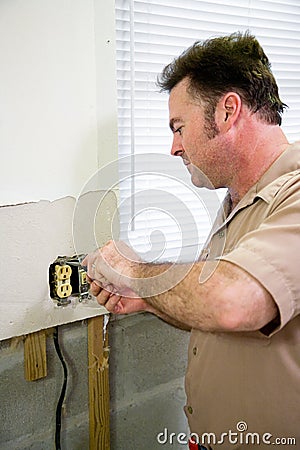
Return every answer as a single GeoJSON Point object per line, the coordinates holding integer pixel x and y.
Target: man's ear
{"type": "Point", "coordinates": [227, 110]}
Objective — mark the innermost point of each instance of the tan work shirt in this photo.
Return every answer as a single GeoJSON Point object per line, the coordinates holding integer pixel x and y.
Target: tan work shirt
{"type": "Point", "coordinates": [247, 384]}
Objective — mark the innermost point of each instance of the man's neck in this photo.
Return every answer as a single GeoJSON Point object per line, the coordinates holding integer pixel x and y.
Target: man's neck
{"type": "Point", "coordinates": [258, 156]}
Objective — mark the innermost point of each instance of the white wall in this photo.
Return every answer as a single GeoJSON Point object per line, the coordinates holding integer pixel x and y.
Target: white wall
{"type": "Point", "coordinates": [57, 127]}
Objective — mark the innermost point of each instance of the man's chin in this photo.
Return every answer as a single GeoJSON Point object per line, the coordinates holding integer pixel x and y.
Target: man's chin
{"type": "Point", "coordinates": [199, 179]}
{"type": "Point", "coordinates": [199, 183]}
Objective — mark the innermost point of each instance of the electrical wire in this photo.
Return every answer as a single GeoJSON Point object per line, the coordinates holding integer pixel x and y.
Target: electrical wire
{"type": "Point", "coordinates": [63, 391]}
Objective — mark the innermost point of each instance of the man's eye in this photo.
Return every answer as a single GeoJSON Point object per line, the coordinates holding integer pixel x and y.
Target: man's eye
{"type": "Point", "coordinates": [178, 130]}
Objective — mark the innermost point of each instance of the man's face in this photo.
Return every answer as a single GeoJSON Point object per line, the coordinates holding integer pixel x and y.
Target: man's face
{"type": "Point", "coordinates": [195, 137]}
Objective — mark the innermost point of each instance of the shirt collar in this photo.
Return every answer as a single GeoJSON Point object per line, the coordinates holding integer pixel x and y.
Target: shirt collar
{"type": "Point", "coordinates": [271, 181]}
{"type": "Point", "coordinates": [266, 188]}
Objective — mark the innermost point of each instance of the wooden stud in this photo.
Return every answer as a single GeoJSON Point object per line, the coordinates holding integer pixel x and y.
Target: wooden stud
{"type": "Point", "coordinates": [35, 358]}
{"type": "Point", "coordinates": [98, 353]}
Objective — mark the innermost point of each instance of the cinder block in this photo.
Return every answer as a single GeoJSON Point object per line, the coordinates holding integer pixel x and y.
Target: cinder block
{"type": "Point", "coordinates": [137, 425]}
{"type": "Point", "coordinates": [147, 364]}
{"type": "Point", "coordinates": [28, 408]}
{"type": "Point", "coordinates": [146, 352]}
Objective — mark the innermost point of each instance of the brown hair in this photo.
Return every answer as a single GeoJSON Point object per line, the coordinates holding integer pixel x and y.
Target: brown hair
{"type": "Point", "coordinates": [236, 63]}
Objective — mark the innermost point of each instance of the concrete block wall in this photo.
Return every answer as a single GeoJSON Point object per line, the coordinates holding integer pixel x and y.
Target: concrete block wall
{"type": "Point", "coordinates": [147, 365]}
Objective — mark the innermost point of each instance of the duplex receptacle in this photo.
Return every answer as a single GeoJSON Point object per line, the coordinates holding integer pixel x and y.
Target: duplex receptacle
{"type": "Point", "coordinates": [68, 278]}
{"type": "Point", "coordinates": [63, 272]}
{"type": "Point", "coordinates": [64, 290]}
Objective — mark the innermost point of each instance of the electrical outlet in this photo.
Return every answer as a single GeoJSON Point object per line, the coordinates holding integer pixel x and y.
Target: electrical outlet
{"type": "Point", "coordinates": [68, 278]}
{"type": "Point", "coordinates": [64, 290]}
{"type": "Point", "coordinates": [63, 272]}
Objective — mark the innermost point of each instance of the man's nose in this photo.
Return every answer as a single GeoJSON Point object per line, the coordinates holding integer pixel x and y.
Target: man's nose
{"type": "Point", "coordinates": [177, 148]}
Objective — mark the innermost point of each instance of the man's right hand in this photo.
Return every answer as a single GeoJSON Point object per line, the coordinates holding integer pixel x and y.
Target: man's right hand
{"type": "Point", "coordinates": [118, 304]}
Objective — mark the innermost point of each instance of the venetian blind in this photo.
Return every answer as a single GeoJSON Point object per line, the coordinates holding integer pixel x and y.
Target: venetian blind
{"type": "Point", "coordinates": [161, 214]}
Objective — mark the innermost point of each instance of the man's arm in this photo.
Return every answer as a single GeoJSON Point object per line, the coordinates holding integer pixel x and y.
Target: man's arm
{"type": "Point", "coordinates": [125, 305]}
{"type": "Point", "coordinates": [229, 300]}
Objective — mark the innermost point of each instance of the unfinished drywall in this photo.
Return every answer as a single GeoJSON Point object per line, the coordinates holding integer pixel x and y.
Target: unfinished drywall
{"type": "Point", "coordinates": [32, 236]}
{"type": "Point", "coordinates": [58, 126]}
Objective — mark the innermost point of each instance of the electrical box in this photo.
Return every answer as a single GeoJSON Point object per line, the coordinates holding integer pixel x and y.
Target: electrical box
{"type": "Point", "coordinates": [67, 279]}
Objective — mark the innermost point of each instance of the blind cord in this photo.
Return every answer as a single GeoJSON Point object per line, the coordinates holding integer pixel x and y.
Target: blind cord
{"type": "Point", "coordinates": [63, 391]}
{"type": "Point", "coordinates": [132, 115]}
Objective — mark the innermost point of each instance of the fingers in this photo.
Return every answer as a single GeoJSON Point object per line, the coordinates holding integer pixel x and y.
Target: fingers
{"type": "Point", "coordinates": [100, 288]}
{"type": "Point", "coordinates": [110, 301]}
{"type": "Point", "coordinates": [90, 263]}
{"type": "Point", "coordinates": [102, 297]}
{"type": "Point", "coordinates": [107, 270]}
{"type": "Point", "coordinates": [95, 288]}
{"type": "Point", "coordinates": [94, 273]}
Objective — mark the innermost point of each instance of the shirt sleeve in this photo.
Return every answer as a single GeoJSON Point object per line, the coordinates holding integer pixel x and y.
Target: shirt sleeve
{"type": "Point", "coordinates": [271, 253]}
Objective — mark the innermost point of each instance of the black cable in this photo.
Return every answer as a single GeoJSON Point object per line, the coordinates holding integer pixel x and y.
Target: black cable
{"type": "Point", "coordinates": [63, 390]}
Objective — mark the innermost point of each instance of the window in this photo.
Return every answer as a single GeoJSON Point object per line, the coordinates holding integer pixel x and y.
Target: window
{"type": "Point", "coordinates": [161, 214]}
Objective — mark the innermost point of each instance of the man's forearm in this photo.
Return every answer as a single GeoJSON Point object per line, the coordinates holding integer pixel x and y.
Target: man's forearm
{"type": "Point", "coordinates": [168, 319]}
{"type": "Point", "coordinates": [211, 296]}
{"type": "Point", "coordinates": [167, 288]}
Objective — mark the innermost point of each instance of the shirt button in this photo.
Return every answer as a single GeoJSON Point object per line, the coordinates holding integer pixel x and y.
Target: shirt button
{"type": "Point", "coordinates": [221, 234]}
{"type": "Point", "coordinates": [190, 409]}
{"type": "Point", "coordinates": [195, 351]}
{"type": "Point", "coordinates": [205, 253]}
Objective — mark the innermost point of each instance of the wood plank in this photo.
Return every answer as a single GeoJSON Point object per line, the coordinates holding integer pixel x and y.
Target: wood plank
{"type": "Point", "coordinates": [35, 357]}
{"type": "Point", "coordinates": [98, 353]}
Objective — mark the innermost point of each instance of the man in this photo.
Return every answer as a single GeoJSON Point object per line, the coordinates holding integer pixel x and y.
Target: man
{"type": "Point", "coordinates": [243, 375]}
